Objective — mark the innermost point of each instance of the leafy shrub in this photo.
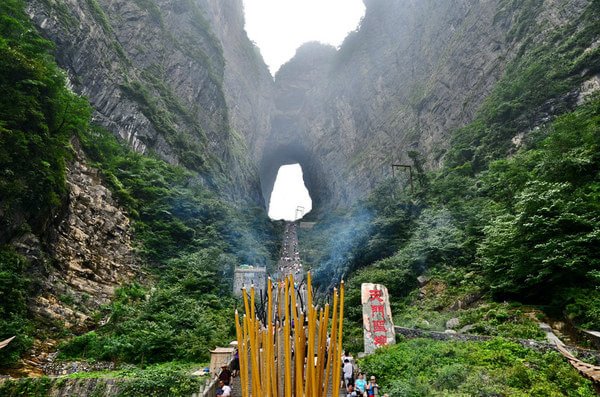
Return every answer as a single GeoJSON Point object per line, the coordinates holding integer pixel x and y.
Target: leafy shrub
{"type": "Point", "coordinates": [38, 116]}
{"type": "Point", "coordinates": [547, 237]}
{"type": "Point", "coordinates": [581, 306]}
{"type": "Point", "coordinates": [14, 321]}
{"type": "Point", "coordinates": [31, 387]}
{"type": "Point", "coordinates": [160, 381]}
{"type": "Point", "coordinates": [422, 367]}
{"type": "Point", "coordinates": [450, 377]}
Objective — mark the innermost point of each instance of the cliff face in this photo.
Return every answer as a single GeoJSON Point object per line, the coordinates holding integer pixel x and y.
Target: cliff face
{"type": "Point", "coordinates": [154, 72]}
{"type": "Point", "coordinates": [248, 85]}
{"type": "Point", "coordinates": [93, 245]}
{"type": "Point", "coordinates": [178, 79]}
{"type": "Point", "coordinates": [294, 126]}
{"type": "Point", "coordinates": [411, 74]}
{"type": "Point", "coordinates": [80, 261]}
{"type": "Point", "coordinates": [182, 79]}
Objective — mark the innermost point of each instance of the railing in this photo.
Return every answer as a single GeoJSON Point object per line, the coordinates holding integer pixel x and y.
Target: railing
{"type": "Point", "coordinates": [210, 389]}
{"type": "Point", "coordinates": [589, 371]}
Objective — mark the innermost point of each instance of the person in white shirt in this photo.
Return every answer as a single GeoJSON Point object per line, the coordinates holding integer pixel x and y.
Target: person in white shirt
{"type": "Point", "coordinates": [348, 370]}
{"type": "Point", "coordinates": [345, 356]}
{"type": "Point", "coordinates": [225, 390]}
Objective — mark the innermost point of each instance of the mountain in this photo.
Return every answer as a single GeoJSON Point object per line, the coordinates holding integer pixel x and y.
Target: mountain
{"type": "Point", "coordinates": [153, 176]}
{"type": "Point", "coordinates": [410, 75]}
{"type": "Point", "coordinates": [141, 140]}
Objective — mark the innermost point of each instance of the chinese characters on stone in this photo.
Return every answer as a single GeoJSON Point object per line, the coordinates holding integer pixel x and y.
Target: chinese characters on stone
{"type": "Point", "coordinates": [378, 317]}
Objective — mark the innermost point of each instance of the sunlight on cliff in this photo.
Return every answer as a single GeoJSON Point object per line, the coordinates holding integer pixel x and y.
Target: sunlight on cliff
{"type": "Point", "coordinates": [290, 199]}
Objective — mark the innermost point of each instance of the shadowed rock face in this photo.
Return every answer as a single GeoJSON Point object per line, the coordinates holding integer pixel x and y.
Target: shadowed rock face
{"type": "Point", "coordinates": [289, 140]}
{"type": "Point", "coordinates": [121, 55]}
{"type": "Point", "coordinates": [154, 71]}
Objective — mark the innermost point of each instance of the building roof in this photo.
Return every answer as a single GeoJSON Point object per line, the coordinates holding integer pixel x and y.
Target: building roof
{"type": "Point", "coordinates": [223, 350]}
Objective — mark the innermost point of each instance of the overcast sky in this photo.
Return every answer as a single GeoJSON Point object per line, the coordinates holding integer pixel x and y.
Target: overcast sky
{"type": "Point", "coordinates": [288, 193]}
{"type": "Point", "coordinates": [279, 27]}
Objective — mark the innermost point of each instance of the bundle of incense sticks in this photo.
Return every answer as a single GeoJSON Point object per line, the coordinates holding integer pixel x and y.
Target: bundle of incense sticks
{"type": "Point", "coordinates": [292, 354]}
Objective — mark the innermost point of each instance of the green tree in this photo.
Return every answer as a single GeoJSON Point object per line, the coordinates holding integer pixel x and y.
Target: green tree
{"type": "Point", "coordinates": [38, 116]}
{"type": "Point", "coordinates": [552, 240]}
{"type": "Point", "coordinates": [14, 288]}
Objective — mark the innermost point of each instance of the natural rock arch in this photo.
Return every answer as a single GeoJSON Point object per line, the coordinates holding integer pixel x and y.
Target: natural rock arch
{"type": "Point", "coordinates": [292, 153]}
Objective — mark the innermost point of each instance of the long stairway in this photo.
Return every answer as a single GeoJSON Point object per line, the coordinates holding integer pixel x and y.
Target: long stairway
{"type": "Point", "coordinates": [236, 387]}
{"type": "Point", "coordinates": [289, 264]}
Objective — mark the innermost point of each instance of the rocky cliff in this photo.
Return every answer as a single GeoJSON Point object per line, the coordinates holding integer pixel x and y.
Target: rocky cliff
{"type": "Point", "coordinates": [183, 80]}
{"type": "Point", "coordinates": [175, 80]}
{"type": "Point", "coordinates": [154, 72]}
{"type": "Point", "coordinates": [248, 85]}
{"type": "Point", "coordinates": [410, 75]}
{"type": "Point", "coordinates": [80, 261]}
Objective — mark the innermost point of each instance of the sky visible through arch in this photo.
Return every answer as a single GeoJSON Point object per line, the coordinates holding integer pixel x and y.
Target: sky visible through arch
{"type": "Point", "coordinates": [279, 27]}
{"type": "Point", "coordinates": [289, 192]}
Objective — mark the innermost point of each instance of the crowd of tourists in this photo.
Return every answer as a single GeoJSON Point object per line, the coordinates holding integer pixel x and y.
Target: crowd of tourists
{"type": "Point", "coordinates": [290, 263]}
{"type": "Point", "coordinates": [354, 382]}
{"type": "Point", "coordinates": [227, 373]}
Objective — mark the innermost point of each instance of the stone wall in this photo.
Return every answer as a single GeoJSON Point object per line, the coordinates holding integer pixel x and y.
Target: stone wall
{"type": "Point", "coordinates": [246, 277]}
{"type": "Point", "coordinates": [71, 367]}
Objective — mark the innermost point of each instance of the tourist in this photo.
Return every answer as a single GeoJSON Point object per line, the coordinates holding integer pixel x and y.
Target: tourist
{"type": "Point", "coordinates": [348, 371]}
{"type": "Point", "coordinates": [235, 363]}
{"type": "Point", "coordinates": [225, 389]}
{"type": "Point", "coordinates": [350, 392]}
{"type": "Point", "coordinates": [372, 387]}
{"type": "Point", "coordinates": [345, 356]}
{"type": "Point", "coordinates": [360, 384]}
{"type": "Point", "coordinates": [225, 375]}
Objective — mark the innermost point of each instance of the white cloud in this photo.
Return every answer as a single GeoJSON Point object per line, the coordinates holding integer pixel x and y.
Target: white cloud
{"type": "Point", "coordinates": [279, 27]}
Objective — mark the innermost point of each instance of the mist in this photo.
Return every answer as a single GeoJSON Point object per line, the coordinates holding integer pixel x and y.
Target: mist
{"type": "Point", "coordinates": [279, 27]}
{"type": "Point", "coordinates": [343, 238]}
